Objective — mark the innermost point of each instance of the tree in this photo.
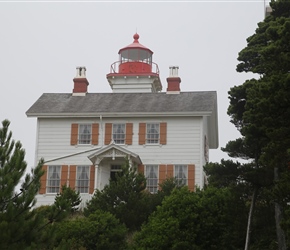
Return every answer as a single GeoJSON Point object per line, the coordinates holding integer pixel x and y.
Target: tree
{"type": "Point", "coordinates": [190, 220]}
{"type": "Point", "coordinates": [258, 107]}
{"type": "Point", "coordinates": [67, 201]}
{"type": "Point", "coordinates": [100, 230]}
{"type": "Point", "coordinates": [241, 179]}
{"type": "Point", "coordinates": [18, 223]}
{"type": "Point", "coordinates": [124, 197]}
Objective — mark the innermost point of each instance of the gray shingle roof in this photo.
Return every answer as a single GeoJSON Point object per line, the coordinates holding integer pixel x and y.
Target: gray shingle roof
{"type": "Point", "coordinates": [98, 103]}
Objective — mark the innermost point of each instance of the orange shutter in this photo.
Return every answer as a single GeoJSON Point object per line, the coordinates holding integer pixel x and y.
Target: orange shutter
{"type": "Point", "coordinates": [63, 178]}
{"type": "Point", "coordinates": [129, 133]}
{"type": "Point", "coordinates": [142, 133]}
{"type": "Point", "coordinates": [141, 169]}
{"type": "Point", "coordinates": [108, 133]}
{"type": "Point", "coordinates": [95, 133]}
{"type": "Point", "coordinates": [191, 177]}
{"type": "Point", "coordinates": [92, 180]}
{"type": "Point", "coordinates": [169, 171]}
{"type": "Point", "coordinates": [43, 179]}
{"type": "Point", "coordinates": [74, 134]}
{"type": "Point", "coordinates": [72, 176]}
{"type": "Point", "coordinates": [163, 132]}
{"type": "Point", "coordinates": [162, 173]}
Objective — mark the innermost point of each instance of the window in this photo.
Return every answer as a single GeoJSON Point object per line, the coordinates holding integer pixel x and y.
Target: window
{"type": "Point", "coordinates": [152, 178]}
{"type": "Point", "coordinates": [85, 132]}
{"type": "Point", "coordinates": [82, 181]}
{"type": "Point", "coordinates": [181, 174]}
{"type": "Point", "coordinates": [53, 179]}
{"type": "Point", "coordinates": [152, 133]}
{"type": "Point", "coordinates": [119, 133]}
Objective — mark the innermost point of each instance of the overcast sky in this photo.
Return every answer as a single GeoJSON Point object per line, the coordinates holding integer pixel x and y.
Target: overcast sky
{"type": "Point", "coordinates": [42, 43]}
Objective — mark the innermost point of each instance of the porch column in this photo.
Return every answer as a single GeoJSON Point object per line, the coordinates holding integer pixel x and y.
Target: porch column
{"type": "Point", "coordinates": [130, 162]}
{"type": "Point", "coordinates": [96, 176]}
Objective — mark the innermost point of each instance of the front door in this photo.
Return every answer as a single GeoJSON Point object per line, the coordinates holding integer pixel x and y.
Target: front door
{"type": "Point", "coordinates": [114, 170]}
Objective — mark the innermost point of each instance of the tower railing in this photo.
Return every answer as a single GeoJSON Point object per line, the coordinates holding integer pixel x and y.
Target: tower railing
{"type": "Point", "coordinates": [114, 69]}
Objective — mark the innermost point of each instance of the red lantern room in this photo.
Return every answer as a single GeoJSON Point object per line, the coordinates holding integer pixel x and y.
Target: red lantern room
{"type": "Point", "coordinates": [135, 71]}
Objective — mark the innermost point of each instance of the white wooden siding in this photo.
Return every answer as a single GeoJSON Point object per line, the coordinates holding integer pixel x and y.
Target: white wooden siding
{"type": "Point", "coordinates": [184, 142]}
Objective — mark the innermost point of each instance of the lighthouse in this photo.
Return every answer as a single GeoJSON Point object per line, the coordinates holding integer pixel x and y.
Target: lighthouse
{"type": "Point", "coordinates": [134, 72]}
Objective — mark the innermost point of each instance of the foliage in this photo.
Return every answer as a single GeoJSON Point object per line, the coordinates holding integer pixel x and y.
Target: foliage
{"type": "Point", "coordinates": [188, 220]}
{"type": "Point", "coordinates": [124, 197]}
{"type": "Point", "coordinates": [100, 230]}
{"type": "Point", "coordinates": [68, 200]}
{"type": "Point", "coordinates": [18, 224]}
{"type": "Point", "coordinates": [259, 106]}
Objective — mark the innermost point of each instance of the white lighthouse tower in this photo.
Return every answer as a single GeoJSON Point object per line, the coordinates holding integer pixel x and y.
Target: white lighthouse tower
{"type": "Point", "coordinates": [134, 72]}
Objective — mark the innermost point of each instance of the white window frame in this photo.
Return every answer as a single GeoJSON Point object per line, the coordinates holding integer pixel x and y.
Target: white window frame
{"type": "Point", "coordinates": [85, 134]}
{"type": "Point", "coordinates": [82, 183]}
{"type": "Point", "coordinates": [118, 135]}
{"type": "Point", "coordinates": [181, 174]}
{"type": "Point", "coordinates": [152, 133]}
{"type": "Point", "coordinates": [53, 179]}
{"type": "Point", "coordinates": [152, 181]}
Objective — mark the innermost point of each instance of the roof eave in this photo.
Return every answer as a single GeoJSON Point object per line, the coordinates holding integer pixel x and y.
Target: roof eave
{"type": "Point", "coordinates": [119, 114]}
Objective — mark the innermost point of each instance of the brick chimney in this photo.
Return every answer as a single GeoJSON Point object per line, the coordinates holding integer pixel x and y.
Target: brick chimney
{"type": "Point", "coordinates": [80, 82]}
{"type": "Point", "coordinates": [173, 81]}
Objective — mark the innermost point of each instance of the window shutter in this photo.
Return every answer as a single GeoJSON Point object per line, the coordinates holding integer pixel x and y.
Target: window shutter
{"type": "Point", "coordinates": [92, 180]}
{"type": "Point", "coordinates": [108, 133]}
{"type": "Point", "coordinates": [162, 174]}
{"type": "Point", "coordinates": [169, 171]}
{"type": "Point", "coordinates": [72, 176]}
{"type": "Point", "coordinates": [43, 179]}
{"type": "Point", "coordinates": [95, 134]}
{"type": "Point", "coordinates": [74, 134]}
{"type": "Point", "coordinates": [129, 133]}
{"type": "Point", "coordinates": [141, 169]}
{"type": "Point", "coordinates": [64, 174]}
{"type": "Point", "coordinates": [142, 133]}
{"type": "Point", "coordinates": [163, 132]}
{"type": "Point", "coordinates": [191, 177]}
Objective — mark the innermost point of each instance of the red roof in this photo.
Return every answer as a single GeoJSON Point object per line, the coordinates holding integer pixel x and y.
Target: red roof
{"type": "Point", "coordinates": [136, 45]}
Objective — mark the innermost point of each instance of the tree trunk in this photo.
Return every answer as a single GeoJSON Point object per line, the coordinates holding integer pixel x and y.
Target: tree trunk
{"type": "Point", "coordinates": [247, 243]}
{"type": "Point", "coordinates": [278, 218]}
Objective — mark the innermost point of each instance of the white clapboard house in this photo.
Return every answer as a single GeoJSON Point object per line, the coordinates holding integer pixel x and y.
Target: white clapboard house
{"type": "Point", "coordinates": [85, 137]}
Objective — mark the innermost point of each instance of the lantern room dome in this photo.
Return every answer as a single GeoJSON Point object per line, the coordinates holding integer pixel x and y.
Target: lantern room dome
{"type": "Point", "coordinates": [135, 50]}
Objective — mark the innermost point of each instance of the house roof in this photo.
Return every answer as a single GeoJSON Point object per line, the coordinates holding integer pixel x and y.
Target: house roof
{"type": "Point", "coordinates": [61, 105]}
{"type": "Point", "coordinates": [55, 104]}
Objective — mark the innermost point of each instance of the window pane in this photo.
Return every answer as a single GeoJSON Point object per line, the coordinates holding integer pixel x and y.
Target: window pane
{"type": "Point", "coordinates": [82, 181]}
{"type": "Point", "coordinates": [53, 179]}
{"type": "Point", "coordinates": [152, 133]}
{"type": "Point", "coordinates": [85, 133]}
{"type": "Point", "coordinates": [119, 133]}
{"type": "Point", "coordinates": [152, 178]}
{"type": "Point", "coordinates": [181, 174]}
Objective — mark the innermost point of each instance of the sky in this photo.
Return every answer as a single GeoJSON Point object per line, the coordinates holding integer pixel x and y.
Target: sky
{"type": "Point", "coordinates": [42, 43]}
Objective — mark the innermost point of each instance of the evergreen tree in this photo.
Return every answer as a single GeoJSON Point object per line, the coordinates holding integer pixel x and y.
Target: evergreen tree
{"type": "Point", "coordinates": [125, 197]}
{"type": "Point", "coordinates": [259, 106]}
{"type": "Point", "coordinates": [191, 220]}
{"type": "Point", "coordinates": [18, 222]}
{"type": "Point", "coordinates": [67, 201]}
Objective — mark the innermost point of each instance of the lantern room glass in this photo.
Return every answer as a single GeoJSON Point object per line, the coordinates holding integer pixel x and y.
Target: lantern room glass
{"type": "Point", "coordinates": [136, 55]}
